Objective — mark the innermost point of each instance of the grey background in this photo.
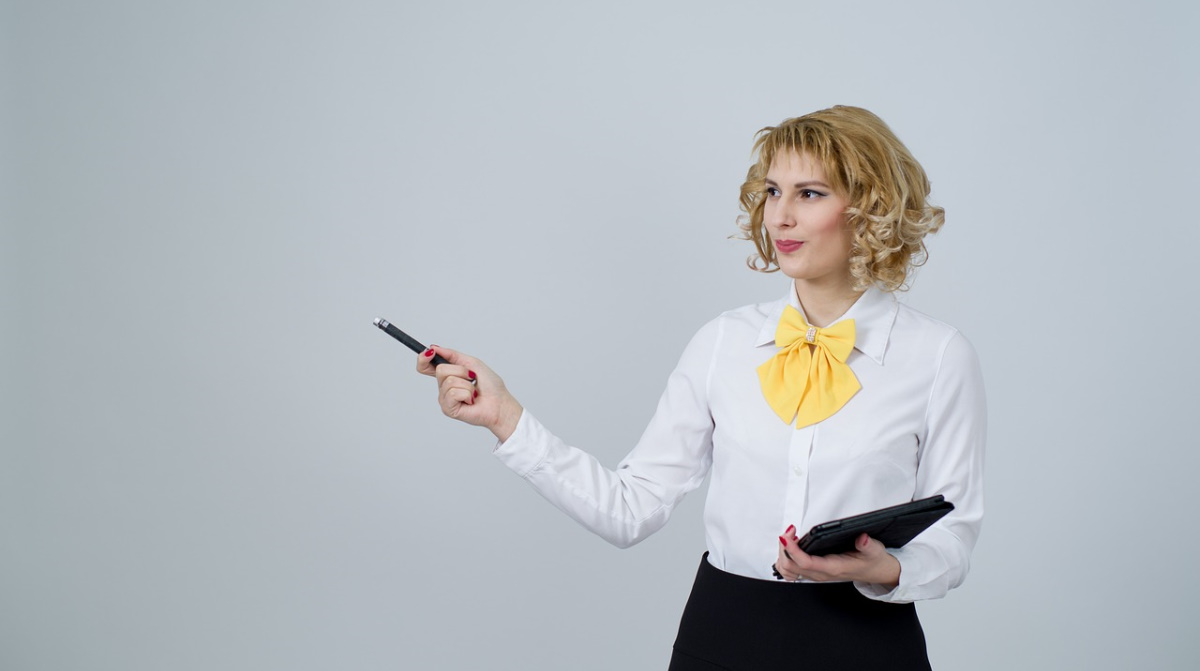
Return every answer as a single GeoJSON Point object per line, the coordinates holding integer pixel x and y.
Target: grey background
{"type": "Point", "coordinates": [211, 459]}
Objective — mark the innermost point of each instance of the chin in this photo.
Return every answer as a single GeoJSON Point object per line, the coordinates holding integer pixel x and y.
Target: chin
{"type": "Point", "coordinates": [807, 274]}
{"type": "Point", "coordinates": [796, 273]}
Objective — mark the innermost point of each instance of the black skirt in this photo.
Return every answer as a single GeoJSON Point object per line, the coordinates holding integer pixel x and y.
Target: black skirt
{"type": "Point", "coordinates": [736, 623]}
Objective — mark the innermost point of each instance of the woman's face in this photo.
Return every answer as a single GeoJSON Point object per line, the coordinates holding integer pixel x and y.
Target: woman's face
{"type": "Point", "coordinates": [806, 221]}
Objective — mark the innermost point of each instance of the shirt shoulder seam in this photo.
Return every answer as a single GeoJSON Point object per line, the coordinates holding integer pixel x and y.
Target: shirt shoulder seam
{"type": "Point", "coordinates": [937, 374]}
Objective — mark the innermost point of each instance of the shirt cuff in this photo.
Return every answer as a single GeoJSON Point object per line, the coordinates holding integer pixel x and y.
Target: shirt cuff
{"type": "Point", "coordinates": [526, 448]}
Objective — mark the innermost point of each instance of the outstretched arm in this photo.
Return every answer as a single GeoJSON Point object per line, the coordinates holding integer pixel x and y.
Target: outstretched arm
{"type": "Point", "coordinates": [622, 505]}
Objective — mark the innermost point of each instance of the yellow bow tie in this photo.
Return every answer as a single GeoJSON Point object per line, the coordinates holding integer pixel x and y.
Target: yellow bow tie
{"type": "Point", "coordinates": [808, 379]}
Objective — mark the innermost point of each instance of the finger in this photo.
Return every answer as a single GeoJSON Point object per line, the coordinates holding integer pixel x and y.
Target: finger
{"type": "Point", "coordinates": [425, 361]}
{"type": "Point", "coordinates": [869, 548]}
{"type": "Point", "coordinates": [788, 534]}
{"type": "Point", "coordinates": [457, 403]}
{"type": "Point", "coordinates": [456, 391]}
{"type": "Point", "coordinates": [792, 548]}
{"type": "Point", "coordinates": [805, 564]}
{"type": "Point", "coordinates": [784, 556]}
{"type": "Point", "coordinates": [457, 364]}
{"type": "Point", "coordinates": [784, 564]}
{"type": "Point", "coordinates": [453, 356]}
{"type": "Point", "coordinates": [454, 371]}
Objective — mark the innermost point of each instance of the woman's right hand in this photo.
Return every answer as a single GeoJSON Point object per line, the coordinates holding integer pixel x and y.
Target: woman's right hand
{"type": "Point", "coordinates": [471, 392]}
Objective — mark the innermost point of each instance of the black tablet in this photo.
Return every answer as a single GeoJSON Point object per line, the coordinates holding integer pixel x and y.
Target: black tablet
{"type": "Point", "coordinates": [892, 526]}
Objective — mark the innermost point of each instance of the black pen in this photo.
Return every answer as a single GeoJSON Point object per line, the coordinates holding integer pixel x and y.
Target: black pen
{"type": "Point", "coordinates": [409, 342]}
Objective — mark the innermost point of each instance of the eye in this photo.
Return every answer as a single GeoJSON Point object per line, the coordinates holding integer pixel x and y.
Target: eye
{"type": "Point", "coordinates": [772, 192]}
{"type": "Point", "coordinates": [809, 194]}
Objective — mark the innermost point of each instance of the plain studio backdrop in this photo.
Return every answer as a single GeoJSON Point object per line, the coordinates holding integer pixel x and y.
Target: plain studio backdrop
{"type": "Point", "coordinates": [212, 460]}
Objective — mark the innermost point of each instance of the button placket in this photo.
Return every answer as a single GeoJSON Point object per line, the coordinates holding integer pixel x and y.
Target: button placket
{"type": "Point", "coordinates": [796, 501]}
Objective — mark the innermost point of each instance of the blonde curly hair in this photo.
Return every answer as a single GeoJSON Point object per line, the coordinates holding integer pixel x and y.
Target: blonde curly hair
{"type": "Point", "coordinates": [866, 163]}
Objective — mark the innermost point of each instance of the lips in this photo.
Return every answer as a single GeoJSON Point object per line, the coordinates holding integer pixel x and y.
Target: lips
{"type": "Point", "coordinates": [787, 246]}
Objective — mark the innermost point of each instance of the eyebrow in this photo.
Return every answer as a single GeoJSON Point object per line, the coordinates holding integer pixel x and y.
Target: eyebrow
{"type": "Point", "coordinates": [801, 185]}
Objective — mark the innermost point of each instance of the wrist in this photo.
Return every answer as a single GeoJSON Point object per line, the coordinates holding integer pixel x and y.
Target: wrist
{"type": "Point", "coordinates": [506, 419]}
{"type": "Point", "coordinates": [887, 571]}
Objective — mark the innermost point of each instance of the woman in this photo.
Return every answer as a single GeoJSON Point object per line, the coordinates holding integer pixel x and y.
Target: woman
{"type": "Point", "coordinates": [832, 401]}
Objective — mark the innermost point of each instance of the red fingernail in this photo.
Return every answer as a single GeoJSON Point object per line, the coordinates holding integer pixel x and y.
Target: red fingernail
{"type": "Point", "coordinates": [782, 541]}
{"type": "Point", "coordinates": [790, 529]}
{"type": "Point", "coordinates": [471, 374]}
{"type": "Point", "coordinates": [476, 394]}
{"type": "Point", "coordinates": [429, 352]}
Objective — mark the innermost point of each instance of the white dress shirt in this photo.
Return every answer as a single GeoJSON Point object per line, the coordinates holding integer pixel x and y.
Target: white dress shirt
{"type": "Point", "coordinates": [915, 429]}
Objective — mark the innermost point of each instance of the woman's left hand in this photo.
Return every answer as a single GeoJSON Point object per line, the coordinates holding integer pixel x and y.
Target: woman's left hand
{"type": "Point", "coordinates": [868, 562]}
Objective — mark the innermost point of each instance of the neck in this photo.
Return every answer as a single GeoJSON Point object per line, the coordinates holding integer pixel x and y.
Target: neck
{"type": "Point", "coordinates": [824, 303]}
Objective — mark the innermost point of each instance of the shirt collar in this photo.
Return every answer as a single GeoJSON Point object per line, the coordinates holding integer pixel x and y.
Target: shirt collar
{"type": "Point", "coordinates": [873, 313]}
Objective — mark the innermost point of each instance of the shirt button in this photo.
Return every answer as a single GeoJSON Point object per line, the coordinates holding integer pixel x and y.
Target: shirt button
{"type": "Point", "coordinates": [798, 470]}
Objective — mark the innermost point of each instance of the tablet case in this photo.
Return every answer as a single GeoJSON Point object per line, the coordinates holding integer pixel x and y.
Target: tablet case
{"type": "Point", "coordinates": [892, 526]}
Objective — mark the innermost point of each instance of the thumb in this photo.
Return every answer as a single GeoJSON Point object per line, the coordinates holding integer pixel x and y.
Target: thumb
{"type": "Point", "coordinates": [862, 543]}
{"type": "Point", "coordinates": [452, 356]}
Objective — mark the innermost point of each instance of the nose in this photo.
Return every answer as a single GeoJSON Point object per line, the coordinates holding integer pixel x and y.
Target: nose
{"type": "Point", "coordinates": [775, 215]}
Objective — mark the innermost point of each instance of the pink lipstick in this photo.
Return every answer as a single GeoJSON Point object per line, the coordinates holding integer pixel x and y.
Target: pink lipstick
{"type": "Point", "coordinates": [787, 246]}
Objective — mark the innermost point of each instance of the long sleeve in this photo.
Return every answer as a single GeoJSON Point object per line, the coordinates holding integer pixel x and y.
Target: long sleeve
{"type": "Point", "coordinates": [674, 454]}
{"type": "Point", "coordinates": [950, 463]}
